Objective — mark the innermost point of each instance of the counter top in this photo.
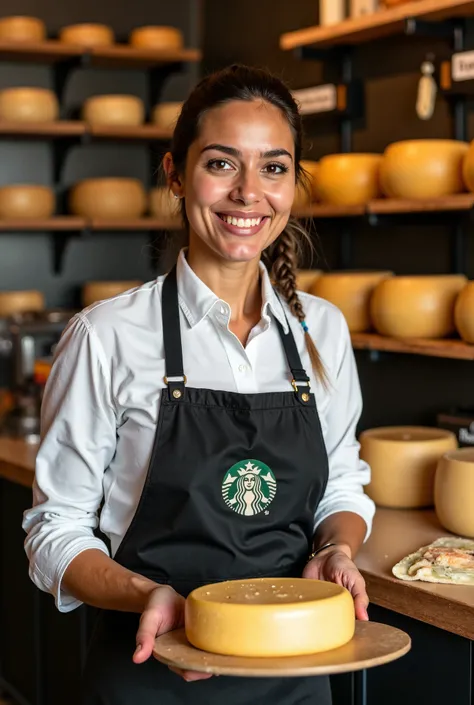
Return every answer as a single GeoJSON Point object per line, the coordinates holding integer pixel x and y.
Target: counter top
{"type": "Point", "coordinates": [395, 534]}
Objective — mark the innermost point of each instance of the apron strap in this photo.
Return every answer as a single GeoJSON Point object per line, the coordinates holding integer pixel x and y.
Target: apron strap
{"type": "Point", "coordinates": [300, 381]}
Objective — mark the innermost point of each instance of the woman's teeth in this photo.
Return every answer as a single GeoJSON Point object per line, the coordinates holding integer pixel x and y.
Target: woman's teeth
{"type": "Point", "coordinates": [241, 222]}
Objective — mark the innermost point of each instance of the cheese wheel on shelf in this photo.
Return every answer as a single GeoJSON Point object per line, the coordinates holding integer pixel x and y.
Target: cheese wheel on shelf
{"type": "Point", "coordinates": [351, 292]}
{"type": "Point", "coordinates": [12, 302]}
{"type": "Point", "coordinates": [349, 179]}
{"type": "Point", "coordinates": [421, 169]}
{"type": "Point", "coordinates": [165, 115]}
{"type": "Point", "coordinates": [305, 278]}
{"type": "Point", "coordinates": [112, 198]}
{"type": "Point", "coordinates": [468, 168]}
{"type": "Point", "coordinates": [87, 34]}
{"type": "Point", "coordinates": [269, 617]}
{"type": "Point", "coordinates": [162, 204]}
{"type": "Point", "coordinates": [454, 490]}
{"type": "Point", "coordinates": [464, 313]}
{"type": "Point", "coordinates": [126, 110]}
{"type": "Point", "coordinates": [403, 462]}
{"type": "Point", "coordinates": [22, 29]}
{"type": "Point", "coordinates": [26, 201]}
{"type": "Point", "coordinates": [306, 192]}
{"type": "Point", "coordinates": [28, 105]}
{"type": "Point", "coordinates": [98, 291]}
{"type": "Point", "coordinates": [156, 37]}
{"type": "Point", "coordinates": [416, 306]}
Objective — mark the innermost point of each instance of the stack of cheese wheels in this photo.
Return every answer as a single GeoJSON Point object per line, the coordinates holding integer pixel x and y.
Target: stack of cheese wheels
{"type": "Point", "coordinates": [464, 313]}
{"type": "Point", "coordinates": [305, 278]}
{"type": "Point", "coordinates": [349, 179]}
{"type": "Point", "coordinates": [454, 491]}
{"type": "Point", "coordinates": [351, 292]}
{"type": "Point", "coordinates": [124, 110]}
{"type": "Point", "coordinates": [421, 169]}
{"type": "Point", "coordinates": [114, 198]}
{"type": "Point", "coordinates": [22, 29]}
{"type": "Point", "coordinates": [98, 291]}
{"type": "Point", "coordinates": [13, 302]}
{"type": "Point", "coordinates": [87, 35]}
{"type": "Point", "coordinates": [157, 37]}
{"type": "Point", "coordinates": [28, 105]}
{"type": "Point", "coordinates": [416, 306]}
{"type": "Point", "coordinates": [165, 115]}
{"type": "Point", "coordinates": [26, 201]}
{"type": "Point", "coordinates": [269, 617]}
{"type": "Point", "coordinates": [403, 462]}
{"type": "Point", "coordinates": [306, 192]}
{"type": "Point", "coordinates": [162, 204]}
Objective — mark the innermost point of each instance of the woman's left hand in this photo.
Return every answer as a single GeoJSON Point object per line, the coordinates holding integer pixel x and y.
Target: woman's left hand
{"type": "Point", "coordinates": [335, 566]}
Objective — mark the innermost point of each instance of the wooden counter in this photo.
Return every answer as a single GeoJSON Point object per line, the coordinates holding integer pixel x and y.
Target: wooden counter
{"type": "Point", "coordinates": [395, 534]}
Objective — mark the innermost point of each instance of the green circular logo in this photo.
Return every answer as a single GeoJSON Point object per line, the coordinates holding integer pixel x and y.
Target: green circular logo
{"type": "Point", "coordinates": [249, 487]}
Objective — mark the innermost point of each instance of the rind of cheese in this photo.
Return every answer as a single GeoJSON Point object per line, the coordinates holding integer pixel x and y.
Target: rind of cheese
{"type": "Point", "coordinates": [26, 104]}
{"type": "Point", "coordinates": [22, 29]}
{"type": "Point", "coordinates": [157, 37]}
{"type": "Point", "coordinates": [12, 302]}
{"type": "Point", "coordinates": [87, 34]}
{"type": "Point", "coordinates": [114, 197]}
{"type": "Point", "coordinates": [269, 617]}
{"type": "Point", "coordinates": [464, 313]}
{"type": "Point", "coordinates": [166, 115]}
{"type": "Point", "coordinates": [349, 179]}
{"type": "Point", "coordinates": [26, 201]}
{"type": "Point", "coordinates": [114, 110]}
{"type": "Point", "coordinates": [454, 491]}
{"type": "Point", "coordinates": [431, 573]}
{"type": "Point", "coordinates": [98, 291]}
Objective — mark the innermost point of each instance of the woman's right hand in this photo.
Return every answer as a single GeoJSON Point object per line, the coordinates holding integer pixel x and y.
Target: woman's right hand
{"type": "Point", "coordinates": [163, 612]}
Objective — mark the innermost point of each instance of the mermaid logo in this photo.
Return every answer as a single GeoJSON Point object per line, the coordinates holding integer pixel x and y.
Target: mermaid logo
{"type": "Point", "coordinates": [249, 487]}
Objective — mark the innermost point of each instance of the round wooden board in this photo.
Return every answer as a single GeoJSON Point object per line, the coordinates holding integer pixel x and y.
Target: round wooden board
{"type": "Point", "coordinates": [373, 645]}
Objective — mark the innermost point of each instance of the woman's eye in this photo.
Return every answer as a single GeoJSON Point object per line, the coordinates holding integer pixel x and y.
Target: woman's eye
{"type": "Point", "coordinates": [276, 168]}
{"type": "Point", "coordinates": [218, 165]}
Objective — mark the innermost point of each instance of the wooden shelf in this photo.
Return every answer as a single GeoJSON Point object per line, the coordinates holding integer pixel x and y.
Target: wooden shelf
{"type": "Point", "coordinates": [319, 210]}
{"type": "Point", "coordinates": [47, 52]}
{"type": "Point", "coordinates": [145, 223]}
{"type": "Point", "coordinates": [458, 202]}
{"type": "Point", "coordinates": [144, 132]}
{"type": "Point", "coordinates": [76, 128]}
{"type": "Point", "coordinates": [455, 349]}
{"type": "Point", "coordinates": [67, 223]}
{"type": "Point", "coordinates": [383, 23]}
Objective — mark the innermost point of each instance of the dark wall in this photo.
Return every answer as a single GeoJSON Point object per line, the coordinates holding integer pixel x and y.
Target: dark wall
{"type": "Point", "coordinates": [397, 388]}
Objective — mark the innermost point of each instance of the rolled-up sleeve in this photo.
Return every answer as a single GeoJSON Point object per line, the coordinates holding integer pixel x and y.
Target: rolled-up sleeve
{"type": "Point", "coordinates": [347, 472]}
{"type": "Point", "coordinates": [78, 440]}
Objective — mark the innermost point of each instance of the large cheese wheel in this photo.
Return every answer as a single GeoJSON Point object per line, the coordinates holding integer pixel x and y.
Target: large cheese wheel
{"type": "Point", "coordinates": [419, 169]}
{"type": "Point", "coordinates": [307, 191]}
{"type": "Point", "coordinates": [403, 463]}
{"type": "Point", "coordinates": [468, 168]}
{"type": "Point", "coordinates": [165, 115]}
{"type": "Point", "coordinates": [115, 197]}
{"type": "Point", "coordinates": [464, 313]}
{"type": "Point", "coordinates": [87, 35]}
{"type": "Point", "coordinates": [162, 204]}
{"type": "Point", "coordinates": [349, 179]}
{"type": "Point", "coordinates": [305, 278]}
{"type": "Point", "coordinates": [98, 291]}
{"type": "Point", "coordinates": [416, 306]}
{"type": "Point", "coordinates": [351, 293]}
{"type": "Point", "coordinates": [28, 105]}
{"type": "Point", "coordinates": [156, 37]}
{"type": "Point", "coordinates": [26, 201]}
{"type": "Point", "coordinates": [269, 617]}
{"type": "Point", "coordinates": [454, 491]}
{"type": "Point", "coordinates": [22, 29]}
{"type": "Point", "coordinates": [114, 110]}
{"type": "Point", "coordinates": [12, 302]}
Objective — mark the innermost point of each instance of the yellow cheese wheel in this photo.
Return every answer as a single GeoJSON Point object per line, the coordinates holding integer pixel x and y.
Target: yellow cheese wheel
{"type": "Point", "coordinates": [87, 35]}
{"type": "Point", "coordinates": [162, 204]}
{"type": "Point", "coordinates": [28, 105]}
{"type": "Point", "coordinates": [351, 292]}
{"type": "Point", "coordinates": [418, 169]}
{"type": "Point", "coordinates": [165, 115]}
{"type": "Point", "coordinates": [403, 462]}
{"type": "Point", "coordinates": [305, 278]}
{"type": "Point", "coordinates": [22, 29]}
{"type": "Point", "coordinates": [156, 37]}
{"type": "Point", "coordinates": [114, 197]}
{"type": "Point", "coordinates": [12, 302]}
{"type": "Point", "coordinates": [468, 168]}
{"type": "Point", "coordinates": [26, 201]}
{"type": "Point", "coordinates": [114, 110]}
{"type": "Point", "coordinates": [306, 192]}
{"type": "Point", "coordinates": [454, 491]}
{"type": "Point", "coordinates": [98, 291]}
{"type": "Point", "coordinates": [349, 179]}
{"type": "Point", "coordinates": [269, 617]}
{"type": "Point", "coordinates": [464, 313]}
{"type": "Point", "coordinates": [416, 306]}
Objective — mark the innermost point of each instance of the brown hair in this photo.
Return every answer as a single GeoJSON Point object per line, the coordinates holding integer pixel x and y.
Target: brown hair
{"type": "Point", "coordinates": [239, 82]}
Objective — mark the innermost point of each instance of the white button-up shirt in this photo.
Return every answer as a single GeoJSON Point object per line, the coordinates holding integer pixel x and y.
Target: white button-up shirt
{"type": "Point", "coordinates": [102, 399]}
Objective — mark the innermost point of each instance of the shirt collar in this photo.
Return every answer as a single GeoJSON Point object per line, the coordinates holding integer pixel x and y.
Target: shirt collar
{"type": "Point", "coordinates": [197, 300]}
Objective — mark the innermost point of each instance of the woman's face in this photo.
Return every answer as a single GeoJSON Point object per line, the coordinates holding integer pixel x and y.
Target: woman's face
{"type": "Point", "coordinates": [239, 183]}
{"type": "Point", "coordinates": [249, 482]}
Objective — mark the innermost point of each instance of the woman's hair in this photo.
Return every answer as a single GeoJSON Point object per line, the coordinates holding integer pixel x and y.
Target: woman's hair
{"type": "Point", "coordinates": [247, 83]}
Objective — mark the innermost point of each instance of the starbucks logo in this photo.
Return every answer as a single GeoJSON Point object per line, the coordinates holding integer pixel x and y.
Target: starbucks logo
{"type": "Point", "coordinates": [249, 487]}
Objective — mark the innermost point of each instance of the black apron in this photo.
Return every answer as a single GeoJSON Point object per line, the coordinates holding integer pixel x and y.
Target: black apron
{"type": "Point", "coordinates": [231, 492]}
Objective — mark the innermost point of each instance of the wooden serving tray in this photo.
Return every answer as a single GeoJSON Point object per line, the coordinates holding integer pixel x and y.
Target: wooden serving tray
{"type": "Point", "coordinates": [373, 645]}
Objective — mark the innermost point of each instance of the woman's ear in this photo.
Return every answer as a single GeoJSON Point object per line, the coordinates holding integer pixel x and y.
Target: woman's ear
{"type": "Point", "coordinates": [172, 177]}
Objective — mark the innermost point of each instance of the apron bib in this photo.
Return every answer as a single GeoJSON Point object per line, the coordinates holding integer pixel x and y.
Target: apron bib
{"type": "Point", "coordinates": [231, 491]}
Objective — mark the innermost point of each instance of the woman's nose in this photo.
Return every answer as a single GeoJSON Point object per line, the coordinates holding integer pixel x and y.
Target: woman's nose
{"type": "Point", "coordinates": [247, 189]}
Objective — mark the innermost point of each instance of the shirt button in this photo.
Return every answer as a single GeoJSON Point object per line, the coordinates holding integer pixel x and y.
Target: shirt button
{"type": "Point", "coordinates": [242, 368]}
{"type": "Point", "coordinates": [224, 310]}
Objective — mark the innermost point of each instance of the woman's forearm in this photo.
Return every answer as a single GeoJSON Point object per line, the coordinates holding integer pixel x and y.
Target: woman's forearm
{"type": "Point", "coordinates": [99, 581]}
{"type": "Point", "coordinates": [345, 528]}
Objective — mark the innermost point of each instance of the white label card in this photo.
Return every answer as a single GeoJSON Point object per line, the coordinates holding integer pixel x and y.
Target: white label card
{"type": "Point", "coordinates": [319, 99]}
{"type": "Point", "coordinates": [462, 66]}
